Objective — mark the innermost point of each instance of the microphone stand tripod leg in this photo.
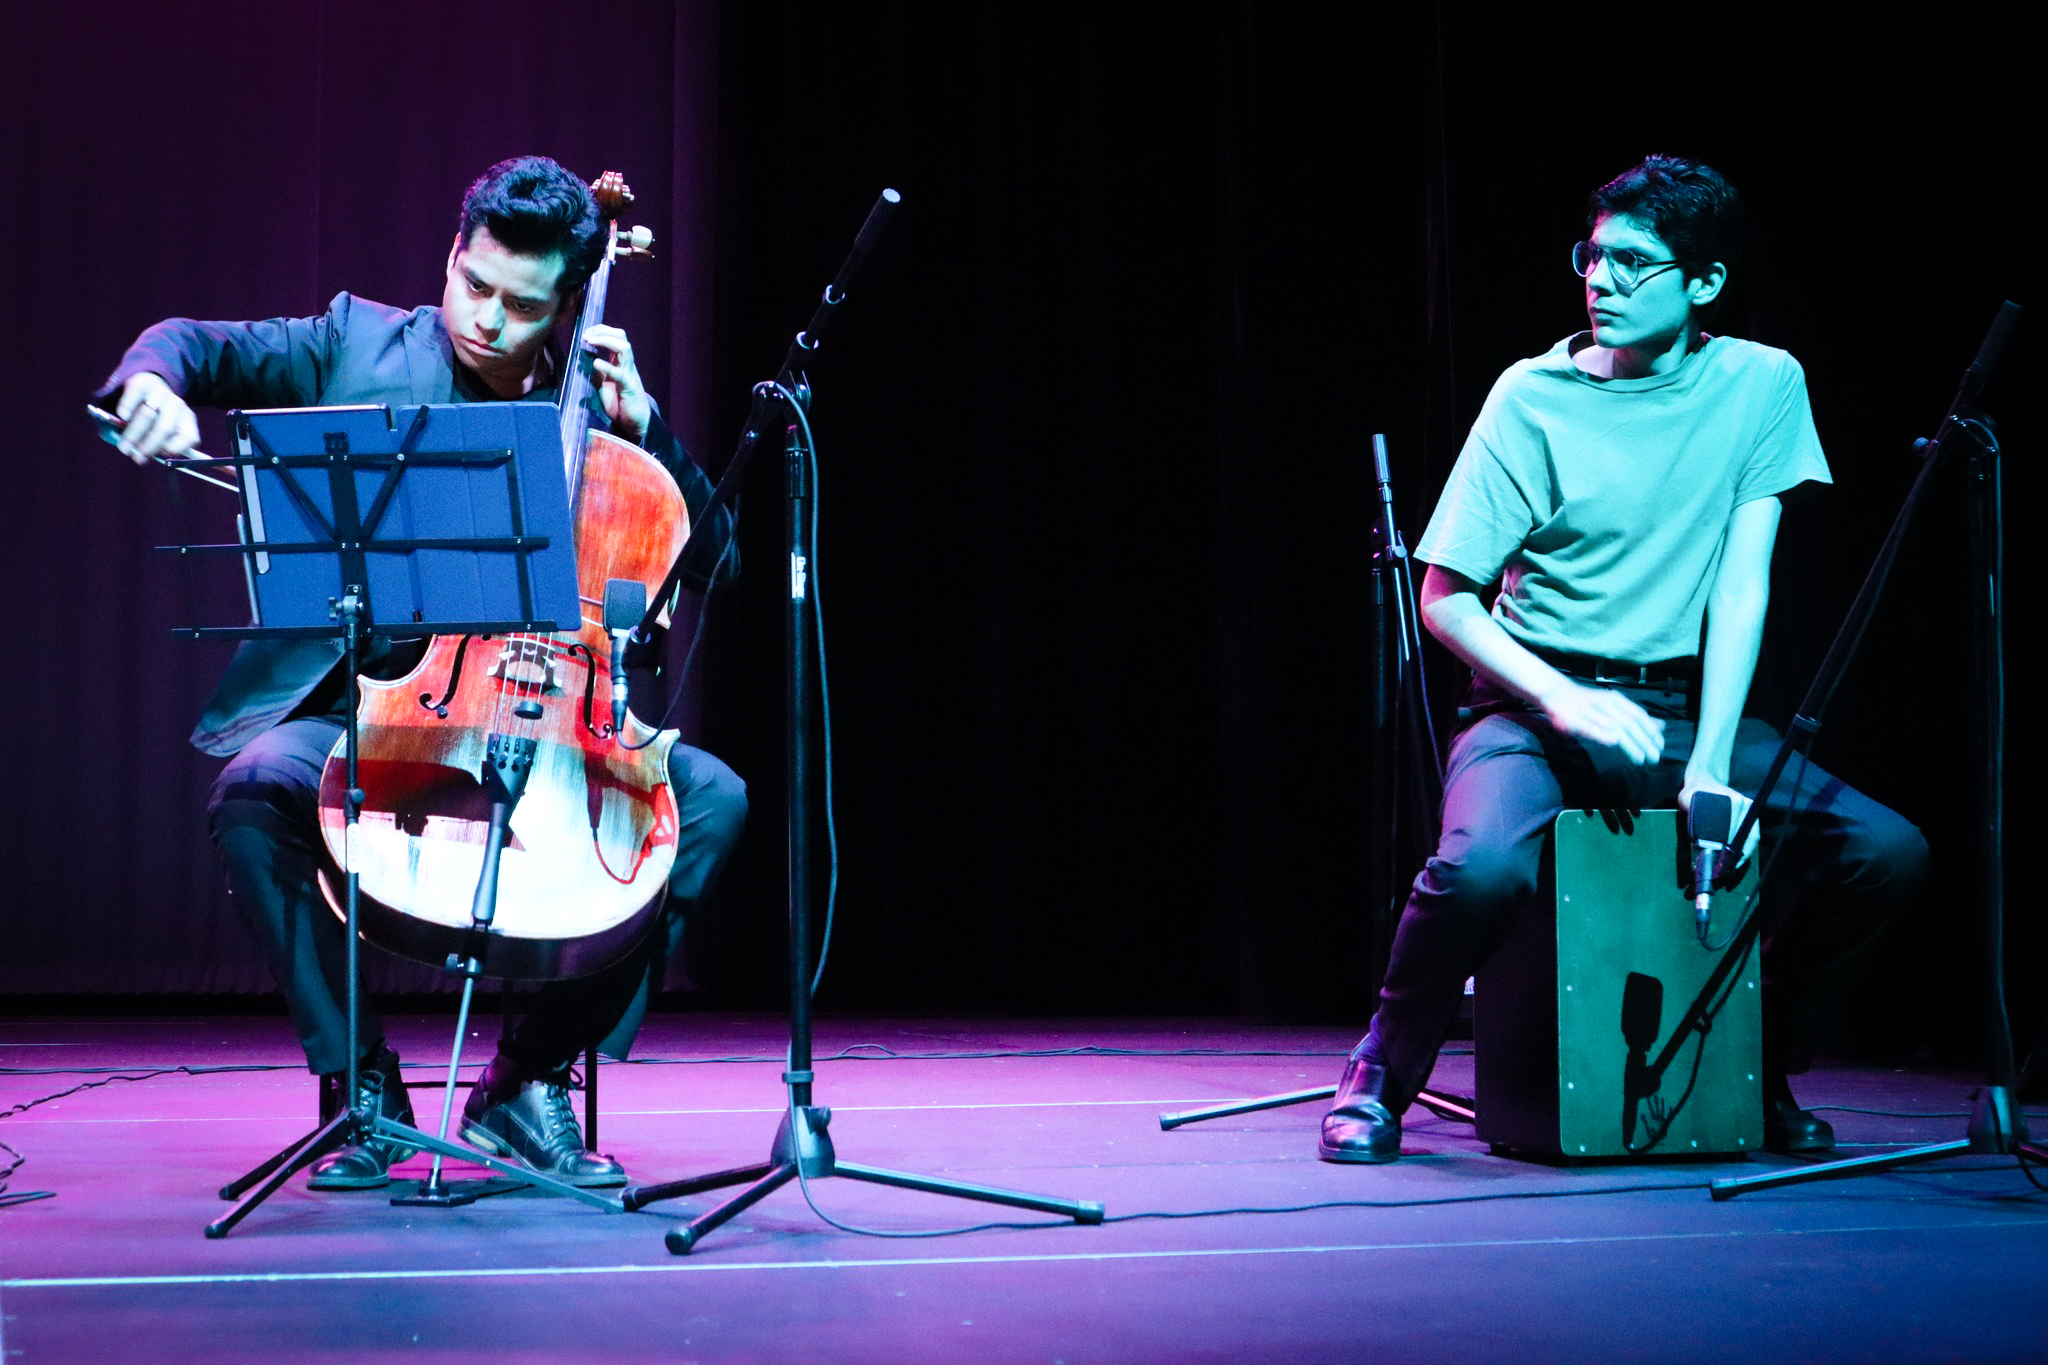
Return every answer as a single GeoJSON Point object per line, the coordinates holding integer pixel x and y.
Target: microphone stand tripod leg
{"type": "Point", "coordinates": [259, 1184]}
{"type": "Point", "coordinates": [681, 1240]}
{"type": "Point", "coordinates": [436, 1192]}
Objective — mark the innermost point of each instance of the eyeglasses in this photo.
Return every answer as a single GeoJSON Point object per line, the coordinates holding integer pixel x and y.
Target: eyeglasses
{"type": "Point", "coordinates": [1624, 267]}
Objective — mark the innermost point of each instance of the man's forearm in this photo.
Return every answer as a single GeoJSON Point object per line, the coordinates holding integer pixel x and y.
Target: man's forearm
{"type": "Point", "coordinates": [1735, 627]}
{"type": "Point", "coordinates": [1451, 607]}
{"type": "Point", "coordinates": [1464, 627]}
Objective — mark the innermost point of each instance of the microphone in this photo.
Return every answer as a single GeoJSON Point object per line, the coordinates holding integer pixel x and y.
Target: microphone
{"type": "Point", "coordinates": [1987, 354]}
{"type": "Point", "coordinates": [625, 602]}
{"type": "Point", "coordinates": [1710, 826]}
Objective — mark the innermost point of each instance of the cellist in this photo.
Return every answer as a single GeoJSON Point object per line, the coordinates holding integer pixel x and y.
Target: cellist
{"type": "Point", "coordinates": [529, 236]}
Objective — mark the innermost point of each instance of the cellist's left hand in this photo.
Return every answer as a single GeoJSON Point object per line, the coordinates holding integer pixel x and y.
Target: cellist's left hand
{"type": "Point", "coordinates": [618, 381]}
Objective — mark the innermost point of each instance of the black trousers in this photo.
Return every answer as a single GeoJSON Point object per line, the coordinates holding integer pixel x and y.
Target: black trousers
{"type": "Point", "coordinates": [1848, 866]}
{"type": "Point", "coordinates": [264, 819]}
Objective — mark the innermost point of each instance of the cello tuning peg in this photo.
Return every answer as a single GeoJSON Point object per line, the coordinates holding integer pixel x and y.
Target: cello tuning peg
{"type": "Point", "coordinates": [637, 241]}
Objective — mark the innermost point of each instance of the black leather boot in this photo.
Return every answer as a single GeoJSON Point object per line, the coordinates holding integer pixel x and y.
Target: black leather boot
{"type": "Point", "coordinates": [531, 1120]}
{"type": "Point", "coordinates": [1787, 1127]}
{"type": "Point", "coordinates": [1364, 1126]}
{"type": "Point", "coordinates": [366, 1165]}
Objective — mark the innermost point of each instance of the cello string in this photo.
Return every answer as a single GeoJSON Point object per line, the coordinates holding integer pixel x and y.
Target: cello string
{"type": "Point", "coordinates": [577, 397]}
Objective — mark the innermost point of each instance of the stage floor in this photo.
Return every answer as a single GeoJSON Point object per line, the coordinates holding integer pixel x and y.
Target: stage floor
{"type": "Point", "coordinates": [1211, 1251]}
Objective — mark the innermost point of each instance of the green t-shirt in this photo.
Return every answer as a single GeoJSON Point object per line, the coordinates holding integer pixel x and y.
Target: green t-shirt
{"type": "Point", "coordinates": [1603, 505]}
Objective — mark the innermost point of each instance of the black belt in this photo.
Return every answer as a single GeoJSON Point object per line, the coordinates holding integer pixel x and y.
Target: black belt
{"type": "Point", "coordinates": [1670, 674]}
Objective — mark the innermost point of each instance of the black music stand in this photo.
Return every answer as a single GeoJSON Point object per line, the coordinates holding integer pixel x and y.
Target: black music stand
{"type": "Point", "coordinates": [1407, 792]}
{"type": "Point", "coordinates": [801, 1147]}
{"type": "Point", "coordinates": [423, 520]}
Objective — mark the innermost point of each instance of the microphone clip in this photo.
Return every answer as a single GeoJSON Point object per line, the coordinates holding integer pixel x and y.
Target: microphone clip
{"type": "Point", "coordinates": [1709, 824]}
{"type": "Point", "coordinates": [625, 602]}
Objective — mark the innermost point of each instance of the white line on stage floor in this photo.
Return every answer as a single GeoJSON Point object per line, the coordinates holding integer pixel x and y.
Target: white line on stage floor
{"type": "Point", "coordinates": [712, 1267]}
{"type": "Point", "coordinates": [609, 1114]}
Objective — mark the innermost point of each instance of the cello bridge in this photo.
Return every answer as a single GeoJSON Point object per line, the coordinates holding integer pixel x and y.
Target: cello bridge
{"type": "Point", "coordinates": [527, 664]}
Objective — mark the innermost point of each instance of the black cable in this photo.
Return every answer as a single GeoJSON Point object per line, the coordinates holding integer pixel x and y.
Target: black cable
{"type": "Point", "coordinates": [1176, 1214]}
{"type": "Point", "coordinates": [109, 1070]}
{"type": "Point", "coordinates": [2027, 1169]}
{"type": "Point", "coordinates": [817, 588]}
{"type": "Point", "coordinates": [1165, 1214]}
{"type": "Point", "coordinates": [814, 586]}
{"type": "Point", "coordinates": [1404, 1203]}
{"type": "Point", "coordinates": [877, 1052]}
{"type": "Point", "coordinates": [854, 1052]}
{"type": "Point", "coordinates": [123, 1074]}
{"type": "Point", "coordinates": [880, 1052]}
{"type": "Point", "coordinates": [1983, 431]}
{"type": "Point", "coordinates": [7, 1173]}
{"type": "Point", "coordinates": [804, 1183]}
{"type": "Point", "coordinates": [1996, 972]}
{"type": "Point", "coordinates": [796, 406]}
{"type": "Point", "coordinates": [679, 685]}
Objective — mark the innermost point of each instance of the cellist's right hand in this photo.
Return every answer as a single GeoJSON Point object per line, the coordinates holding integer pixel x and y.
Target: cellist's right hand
{"type": "Point", "coordinates": [158, 421]}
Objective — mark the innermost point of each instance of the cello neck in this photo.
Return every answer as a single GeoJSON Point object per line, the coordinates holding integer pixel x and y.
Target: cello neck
{"type": "Point", "coordinates": [579, 396]}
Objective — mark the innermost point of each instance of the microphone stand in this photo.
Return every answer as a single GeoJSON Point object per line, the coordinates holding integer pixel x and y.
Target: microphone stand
{"type": "Point", "coordinates": [802, 1147]}
{"type": "Point", "coordinates": [1404, 744]}
{"type": "Point", "coordinates": [1404, 730]}
{"type": "Point", "coordinates": [1996, 1122]}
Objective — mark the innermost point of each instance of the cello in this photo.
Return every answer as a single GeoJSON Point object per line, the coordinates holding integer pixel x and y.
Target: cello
{"type": "Point", "coordinates": [592, 839]}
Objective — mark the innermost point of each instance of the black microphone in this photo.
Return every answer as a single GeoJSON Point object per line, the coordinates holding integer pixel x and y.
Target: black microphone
{"type": "Point", "coordinates": [625, 602]}
{"type": "Point", "coordinates": [1710, 826]}
{"type": "Point", "coordinates": [1987, 354]}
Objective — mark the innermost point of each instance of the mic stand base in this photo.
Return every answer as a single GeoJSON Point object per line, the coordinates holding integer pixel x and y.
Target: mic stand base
{"type": "Point", "coordinates": [1456, 1108]}
{"type": "Point", "coordinates": [1997, 1128]}
{"type": "Point", "coordinates": [802, 1146]}
{"type": "Point", "coordinates": [513, 1175]}
{"type": "Point", "coordinates": [265, 1180]}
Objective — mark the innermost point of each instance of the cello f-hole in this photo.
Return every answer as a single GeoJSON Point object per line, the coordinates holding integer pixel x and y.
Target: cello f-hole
{"type": "Point", "coordinates": [440, 708]}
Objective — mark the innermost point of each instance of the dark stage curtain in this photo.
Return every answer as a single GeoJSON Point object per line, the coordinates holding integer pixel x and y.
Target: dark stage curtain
{"type": "Point", "coordinates": [1094, 426]}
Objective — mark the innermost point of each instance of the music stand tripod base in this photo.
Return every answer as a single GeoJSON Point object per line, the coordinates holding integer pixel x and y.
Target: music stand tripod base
{"type": "Point", "coordinates": [319, 563]}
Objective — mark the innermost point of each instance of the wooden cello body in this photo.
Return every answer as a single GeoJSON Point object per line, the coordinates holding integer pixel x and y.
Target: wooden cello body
{"type": "Point", "coordinates": [591, 842]}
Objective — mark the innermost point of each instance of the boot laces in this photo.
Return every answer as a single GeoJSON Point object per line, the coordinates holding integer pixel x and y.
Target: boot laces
{"type": "Point", "coordinates": [560, 1132]}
